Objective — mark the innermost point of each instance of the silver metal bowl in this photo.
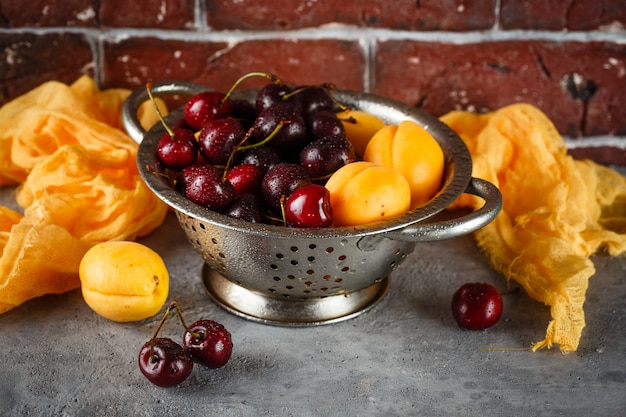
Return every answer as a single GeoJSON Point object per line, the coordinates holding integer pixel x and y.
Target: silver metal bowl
{"type": "Point", "coordinates": [297, 277]}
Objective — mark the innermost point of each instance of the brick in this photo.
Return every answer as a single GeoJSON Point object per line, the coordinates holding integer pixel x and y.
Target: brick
{"type": "Point", "coordinates": [48, 13]}
{"type": "Point", "coordinates": [573, 83]}
{"type": "Point", "coordinates": [594, 74]}
{"type": "Point", "coordinates": [597, 14]}
{"type": "Point", "coordinates": [159, 14]}
{"type": "Point", "coordinates": [450, 15]}
{"type": "Point", "coordinates": [540, 15]}
{"type": "Point", "coordinates": [560, 15]}
{"type": "Point", "coordinates": [30, 59]}
{"type": "Point", "coordinates": [170, 14]}
{"type": "Point", "coordinates": [132, 62]}
{"type": "Point", "coordinates": [607, 155]}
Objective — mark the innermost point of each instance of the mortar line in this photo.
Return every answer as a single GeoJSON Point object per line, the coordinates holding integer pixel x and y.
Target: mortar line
{"type": "Point", "coordinates": [335, 31]}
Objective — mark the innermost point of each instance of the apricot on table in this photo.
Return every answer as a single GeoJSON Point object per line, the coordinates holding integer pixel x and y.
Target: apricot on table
{"type": "Point", "coordinates": [363, 192]}
{"type": "Point", "coordinates": [412, 151]}
{"type": "Point", "coordinates": [123, 281]}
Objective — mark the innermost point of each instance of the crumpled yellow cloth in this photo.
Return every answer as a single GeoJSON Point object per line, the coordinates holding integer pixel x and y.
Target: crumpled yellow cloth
{"type": "Point", "coordinates": [78, 185]}
{"type": "Point", "coordinates": [557, 211]}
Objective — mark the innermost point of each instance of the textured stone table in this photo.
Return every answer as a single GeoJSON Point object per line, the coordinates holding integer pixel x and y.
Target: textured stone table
{"type": "Point", "coordinates": [406, 356]}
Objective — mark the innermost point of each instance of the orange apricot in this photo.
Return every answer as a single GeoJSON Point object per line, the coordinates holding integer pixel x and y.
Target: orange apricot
{"type": "Point", "coordinates": [412, 151]}
{"type": "Point", "coordinates": [363, 192]}
{"type": "Point", "coordinates": [123, 281]}
{"type": "Point", "coordinates": [360, 126]}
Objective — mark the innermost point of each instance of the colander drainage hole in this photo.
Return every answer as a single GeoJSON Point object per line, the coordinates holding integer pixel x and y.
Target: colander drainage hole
{"type": "Point", "coordinates": [294, 249]}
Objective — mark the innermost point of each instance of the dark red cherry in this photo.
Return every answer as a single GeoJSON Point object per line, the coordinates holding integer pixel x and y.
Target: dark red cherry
{"type": "Point", "coordinates": [209, 343]}
{"type": "Point", "coordinates": [324, 123]}
{"type": "Point", "coordinates": [218, 139]}
{"type": "Point", "coordinates": [324, 156]}
{"type": "Point", "coordinates": [476, 306]}
{"type": "Point", "coordinates": [246, 178]}
{"type": "Point", "coordinates": [243, 110]}
{"type": "Point", "coordinates": [245, 207]}
{"type": "Point", "coordinates": [205, 106]}
{"type": "Point", "coordinates": [314, 99]}
{"type": "Point", "coordinates": [178, 151]}
{"type": "Point", "coordinates": [280, 181]}
{"type": "Point", "coordinates": [291, 135]}
{"type": "Point", "coordinates": [309, 206]}
{"type": "Point", "coordinates": [204, 185]}
{"type": "Point", "coordinates": [164, 362]}
{"type": "Point", "coordinates": [272, 94]}
{"type": "Point", "coordinates": [263, 156]}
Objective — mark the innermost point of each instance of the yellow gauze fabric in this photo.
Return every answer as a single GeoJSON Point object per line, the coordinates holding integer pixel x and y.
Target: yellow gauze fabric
{"type": "Point", "coordinates": [556, 213]}
{"type": "Point", "coordinates": [78, 185]}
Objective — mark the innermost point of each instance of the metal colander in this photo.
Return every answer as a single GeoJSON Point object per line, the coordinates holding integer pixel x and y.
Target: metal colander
{"type": "Point", "coordinates": [288, 276]}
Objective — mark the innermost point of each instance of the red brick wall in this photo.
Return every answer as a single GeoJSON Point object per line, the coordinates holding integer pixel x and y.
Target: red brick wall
{"type": "Point", "coordinates": [567, 58]}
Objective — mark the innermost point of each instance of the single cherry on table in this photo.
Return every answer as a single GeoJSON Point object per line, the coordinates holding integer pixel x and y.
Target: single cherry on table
{"type": "Point", "coordinates": [476, 306]}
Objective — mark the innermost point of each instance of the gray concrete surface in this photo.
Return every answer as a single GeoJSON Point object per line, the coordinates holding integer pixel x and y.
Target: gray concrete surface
{"type": "Point", "coordinates": [405, 357]}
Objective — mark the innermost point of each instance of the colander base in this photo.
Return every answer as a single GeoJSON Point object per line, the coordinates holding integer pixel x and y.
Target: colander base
{"type": "Point", "coordinates": [292, 312]}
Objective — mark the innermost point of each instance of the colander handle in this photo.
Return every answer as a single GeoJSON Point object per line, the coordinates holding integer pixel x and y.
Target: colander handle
{"type": "Point", "coordinates": [140, 95]}
{"type": "Point", "coordinates": [447, 229]}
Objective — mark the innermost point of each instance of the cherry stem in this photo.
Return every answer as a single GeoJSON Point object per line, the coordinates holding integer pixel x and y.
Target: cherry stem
{"type": "Point", "coordinates": [168, 178]}
{"type": "Point", "coordinates": [322, 178]}
{"type": "Point", "coordinates": [234, 151]}
{"type": "Point", "coordinates": [272, 218]}
{"type": "Point", "coordinates": [274, 79]}
{"type": "Point", "coordinates": [282, 209]}
{"type": "Point", "coordinates": [267, 139]}
{"type": "Point", "coordinates": [349, 119]}
{"type": "Point", "coordinates": [182, 321]}
{"type": "Point", "coordinates": [241, 147]}
{"type": "Point", "coordinates": [329, 87]}
{"type": "Point", "coordinates": [173, 304]}
{"type": "Point", "coordinates": [158, 112]}
{"type": "Point", "coordinates": [325, 86]}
